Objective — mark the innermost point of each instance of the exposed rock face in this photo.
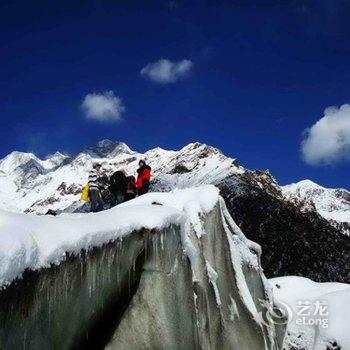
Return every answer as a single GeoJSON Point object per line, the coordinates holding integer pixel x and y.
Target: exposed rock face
{"type": "Point", "coordinates": [294, 241]}
{"type": "Point", "coordinates": [342, 226]}
{"type": "Point", "coordinates": [144, 293]}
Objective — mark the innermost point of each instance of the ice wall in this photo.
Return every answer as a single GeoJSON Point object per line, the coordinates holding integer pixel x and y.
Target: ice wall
{"type": "Point", "coordinates": [219, 309]}
{"type": "Point", "coordinates": [194, 285]}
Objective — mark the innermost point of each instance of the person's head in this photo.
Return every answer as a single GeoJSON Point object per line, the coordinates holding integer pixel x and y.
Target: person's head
{"type": "Point", "coordinates": [97, 166]}
{"type": "Point", "coordinates": [142, 163]}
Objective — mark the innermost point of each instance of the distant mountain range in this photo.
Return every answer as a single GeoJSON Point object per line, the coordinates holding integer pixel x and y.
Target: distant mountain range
{"type": "Point", "coordinates": [303, 228]}
{"type": "Point", "coordinates": [332, 204]}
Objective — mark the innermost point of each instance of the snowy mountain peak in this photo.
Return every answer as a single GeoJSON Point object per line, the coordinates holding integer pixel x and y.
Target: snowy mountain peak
{"type": "Point", "coordinates": [158, 152]}
{"type": "Point", "coordinates": [304, 185]}
{"type": "Point", "coordinates": [14, 160]}
{"type": "Point", "coordinates": [56, 182]}
{"type": "Point", "coordinates": [121, 147]}
{"type": "Point", "coordinates": [57, 155]}
{"type": "Point", "coordinates": [54, 160]}
{"type": "Point", "coordinates": [106, 144]}
{"type": "Point", "coordinates": [200, 147]}
{"type": "Point", "coordinates": [332, 204]}
{"type": "Point", "coordinates": [107, 149]}
{"type": "Point", "coordinates": [21, 160]}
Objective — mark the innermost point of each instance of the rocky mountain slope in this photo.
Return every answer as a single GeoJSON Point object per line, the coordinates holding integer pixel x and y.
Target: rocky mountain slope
{"type": "Point", "coordinates": [294, 241]}
{"type": "Point", "coordinates": [332, 204]}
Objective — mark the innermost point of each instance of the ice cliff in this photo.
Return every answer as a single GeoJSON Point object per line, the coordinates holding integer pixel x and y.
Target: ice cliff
{"type": "Point", "coordinates": [164, 271]}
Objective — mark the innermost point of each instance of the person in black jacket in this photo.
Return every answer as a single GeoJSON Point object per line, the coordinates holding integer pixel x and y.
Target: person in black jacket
{"type": "Point", "coordinates": [118, 187]}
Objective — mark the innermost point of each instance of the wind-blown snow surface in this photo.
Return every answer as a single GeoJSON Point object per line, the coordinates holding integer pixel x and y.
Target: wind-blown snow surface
{"type": "Point", "coordinates": [28, 241]}
{"type": "Point", "coordinates": [332, 204]}
{"type": "Point", "coordinates": [292, 291]}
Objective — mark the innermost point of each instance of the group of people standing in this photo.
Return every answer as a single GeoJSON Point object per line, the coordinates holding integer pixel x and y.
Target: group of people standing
{"type": "Point", "coordinates": [118, 188]}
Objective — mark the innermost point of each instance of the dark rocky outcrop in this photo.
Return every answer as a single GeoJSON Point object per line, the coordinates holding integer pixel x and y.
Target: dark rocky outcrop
{"type": "Point", "coordinates": [294, 242]}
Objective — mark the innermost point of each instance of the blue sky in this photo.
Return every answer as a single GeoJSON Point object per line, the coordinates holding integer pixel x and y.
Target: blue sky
{"type": "Point", "coordinates": [258, 74]}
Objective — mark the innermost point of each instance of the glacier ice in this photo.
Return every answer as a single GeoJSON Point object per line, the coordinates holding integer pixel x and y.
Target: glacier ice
{"type": "Point", "coordinates": [138, 276]}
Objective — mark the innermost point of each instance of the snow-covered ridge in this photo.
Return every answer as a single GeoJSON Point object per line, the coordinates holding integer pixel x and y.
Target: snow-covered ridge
{"type": "Point", "coordinates": [17, 159]}
{"type": "Point", "coordinates": [332, 204]}
{"type": "Point", "coordinates": [33, 242]}
{"type": "Point", "coordinates": [184, 273]}
{"type": "Point", "coordinates": [28, 184]}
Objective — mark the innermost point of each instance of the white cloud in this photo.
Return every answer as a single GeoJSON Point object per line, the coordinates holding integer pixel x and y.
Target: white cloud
{"type": "Point", "coordinates": [165, 71]}
{"type": "Point", "coordinates": [103, 106]}
{"type": "Point", "coordinates": [328, 140]}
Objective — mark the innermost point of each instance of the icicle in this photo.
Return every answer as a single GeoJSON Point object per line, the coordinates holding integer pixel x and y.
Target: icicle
{"type": "Point", "coordinates": [162, 240]}
{"type": "Point", "coordinates": [133, 265]}
{"type": "Point", "coordinates": [146, 247]}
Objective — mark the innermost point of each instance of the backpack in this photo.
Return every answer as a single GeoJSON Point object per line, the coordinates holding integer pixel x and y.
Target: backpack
{"type": "Point", "coordinates": [118, 182]}
{"type": "Point", "coordinates": [85, 193]}
{"type": "Point", "coordinates": [131, 185]}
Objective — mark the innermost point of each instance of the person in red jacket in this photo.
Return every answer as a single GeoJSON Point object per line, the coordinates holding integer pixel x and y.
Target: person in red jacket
{"type": "Point", "coordinates": [143, 177]}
